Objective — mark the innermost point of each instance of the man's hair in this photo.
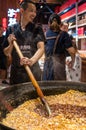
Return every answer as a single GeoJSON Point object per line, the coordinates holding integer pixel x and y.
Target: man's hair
{"type": "Point", "coordinates": [55, 16]}
{"type": "Point", "coordinates": [54, 21]}
{"type": "Point", "coordinates": [24, 4]}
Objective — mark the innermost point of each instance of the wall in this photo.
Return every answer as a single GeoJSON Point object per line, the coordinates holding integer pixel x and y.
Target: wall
{"type": "Point", "coordinates": [4, 5]}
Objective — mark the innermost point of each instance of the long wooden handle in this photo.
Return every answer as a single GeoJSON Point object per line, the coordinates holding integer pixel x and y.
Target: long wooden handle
{"type": "Point", "coordinates": [29, 71]}
{"type": "Point", "coordinates": [35, 83]}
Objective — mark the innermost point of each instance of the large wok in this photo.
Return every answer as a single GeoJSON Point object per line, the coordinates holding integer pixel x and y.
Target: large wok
{"type": "Point", "coordinates": [17, 94]}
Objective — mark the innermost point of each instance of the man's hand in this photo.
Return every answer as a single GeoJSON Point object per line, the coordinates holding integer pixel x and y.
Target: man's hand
{"type": "Point", "coordinates": [11, 38]}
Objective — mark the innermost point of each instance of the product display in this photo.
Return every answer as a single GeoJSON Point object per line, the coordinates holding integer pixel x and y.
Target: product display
{"type": "Point", "coordinates": [21, 107]}
{"type": "Point", "coordinates": [75, 16]}
{"type": "Point", "coordinates": [68, 113]}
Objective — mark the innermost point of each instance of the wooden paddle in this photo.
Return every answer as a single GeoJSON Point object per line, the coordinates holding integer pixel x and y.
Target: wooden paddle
{"type": "Point", "coordinates": [34, 82]}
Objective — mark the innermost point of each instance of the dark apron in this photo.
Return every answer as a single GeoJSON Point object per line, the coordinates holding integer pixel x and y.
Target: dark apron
{"type": "Point", "coordinates": [19, 74]}
{"type": "Point", "coordinates": [54, 68]}
{"type": "Point", "coordinates": [28, 47]}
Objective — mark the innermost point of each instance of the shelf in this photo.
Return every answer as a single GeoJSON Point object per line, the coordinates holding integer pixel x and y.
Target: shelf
{"type": "Point", "coordinates": [80, 37]}
{"type": "Point", "coordinates": [72, 27]}
{"type": "Point", "coordinates": [84, 11]}
{"type": "Point", "coordinates": [70, 11]}
{"type": "Point", "coordinates": [78, 26]}
{"type": "Point", "coordinates": [70, 17]}
{"type": "Point", "coordinates": [73, 5]}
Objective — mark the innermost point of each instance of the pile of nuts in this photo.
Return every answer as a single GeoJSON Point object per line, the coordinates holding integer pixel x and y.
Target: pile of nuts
{"type": "Point", "coordinates": [68, 113]}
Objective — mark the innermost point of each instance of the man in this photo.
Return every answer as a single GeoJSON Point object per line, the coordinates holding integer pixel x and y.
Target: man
{"type": "Point", "coordinates": [72, 73]}
{"type": "Point", "coordinates": [30, 39]}
{"type": "Point", "coordinates": [58, 42]}
{"type": "Point", "coordinates": [3, 65]}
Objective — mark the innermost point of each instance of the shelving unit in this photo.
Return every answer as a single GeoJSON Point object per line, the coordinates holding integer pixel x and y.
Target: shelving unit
{"type": "Point", "coordinates": [82, 37]}
{"type": "Point", "coordinates": [73, 15]}
{"type": "Point", "coordinates": [81, 30]}
{"type": "Point", "coordinates": [84, 24]}
{"type": "Point", "coordinates": [70, 17]}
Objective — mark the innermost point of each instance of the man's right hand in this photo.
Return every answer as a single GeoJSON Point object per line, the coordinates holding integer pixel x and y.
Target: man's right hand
{"type": "Point", "coordinates": [11, 38]}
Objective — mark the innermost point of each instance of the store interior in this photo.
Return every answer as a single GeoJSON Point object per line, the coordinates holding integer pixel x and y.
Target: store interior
{"type": "Point", "coordinates": [46, 105]}
{"type": "Point", "coordinates": [73, 12]}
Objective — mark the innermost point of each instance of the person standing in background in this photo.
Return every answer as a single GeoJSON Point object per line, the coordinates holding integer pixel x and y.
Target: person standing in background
{"type": "Point", "coordinates": [64, 27]}
{"type": "Point", "coordinates": [72, 73]}
{"type": "Point", "coordinates": [64, 44]}
{"type": "Point", "coordinates": [30, 38]}
{"type": "Point", "coordinates": [3, 60]}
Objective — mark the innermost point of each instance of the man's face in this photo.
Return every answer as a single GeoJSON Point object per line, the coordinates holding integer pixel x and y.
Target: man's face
{"type": "Point", "coordinates": [30, 13]}
{"type": "Point", "coordinates": [64, 28]}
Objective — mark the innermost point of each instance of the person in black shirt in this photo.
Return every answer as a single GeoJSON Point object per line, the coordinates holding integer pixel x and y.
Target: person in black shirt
{"type": "Point", "coordinates": [64, 44]}
{"type": "Point", "coordinates": [30, 38]}
{"type": "Point", "coordinates": [64, 27]}
{"type": "Point", "coordinates": [3, 63]}
{"type": "Point", "coordinates": [74, 73]}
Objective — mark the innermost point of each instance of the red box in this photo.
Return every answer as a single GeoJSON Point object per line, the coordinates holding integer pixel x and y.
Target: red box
{"type": "Point", "coordinates": [81, 31]}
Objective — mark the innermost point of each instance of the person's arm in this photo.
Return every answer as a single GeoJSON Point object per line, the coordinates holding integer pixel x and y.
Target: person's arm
{"type": "Point", "coordinates": [38, 53]}
{"type": "Point", "coordinates": [69, 47]}
{"type": "Point", "coordinates": [35, 57]}
{"type": "Point", "coordinates": [72, 53]}
{"type": "Point", "coordinates": [9, 48]}
{"type": "Point", "coordinates": [39, 40]}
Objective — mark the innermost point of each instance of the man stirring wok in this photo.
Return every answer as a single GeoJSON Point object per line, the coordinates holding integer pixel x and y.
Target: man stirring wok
{"type": "Point", "coordinates": [30, 38]}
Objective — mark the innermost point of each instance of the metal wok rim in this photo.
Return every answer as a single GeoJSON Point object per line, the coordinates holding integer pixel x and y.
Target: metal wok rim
{"type": "Point", "coordinates": [46, 86]}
